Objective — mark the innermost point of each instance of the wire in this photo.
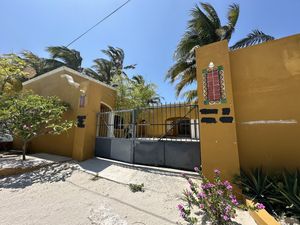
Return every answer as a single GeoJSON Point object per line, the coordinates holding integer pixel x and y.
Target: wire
{"type": "Point", "coordinates": [102, 20]}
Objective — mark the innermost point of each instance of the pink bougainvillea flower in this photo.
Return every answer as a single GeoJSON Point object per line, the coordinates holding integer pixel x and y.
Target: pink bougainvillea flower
{"type": "Point", "coordinates": [260, 206]}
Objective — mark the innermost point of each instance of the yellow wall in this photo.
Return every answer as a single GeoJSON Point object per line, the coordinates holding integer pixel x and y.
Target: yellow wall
{"type": "Point", "coordinates": [55, 85]}
{"type": "Point", "coordinates": [263, 81]}
{"type": "Point", "coordinates": [266, 85]}
{"type": "Point", "coordinates": [78, 142]}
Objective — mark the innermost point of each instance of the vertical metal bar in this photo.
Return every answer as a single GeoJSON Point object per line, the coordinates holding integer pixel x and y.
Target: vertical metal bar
{"type": "Point", "coordinates": [158, 121]}
{"type": "Point", "coordinates": [166, 113]}
{"type": "Point", "coordinates": [177, 120]}
{"type": "Point", "coordinates": [195, 122]}
{"type": "Point", "coordinates": [184, 121]}
{"type": "Point", "coordinates": [150, 130]}
{"type": "Point", "coordinates": [163, 121]}
{"type": "Point", "coordinates": [98, 124]}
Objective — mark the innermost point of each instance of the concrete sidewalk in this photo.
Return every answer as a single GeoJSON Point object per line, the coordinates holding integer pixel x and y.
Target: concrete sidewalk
{"type": "Point", "coordinates": [129, 173]}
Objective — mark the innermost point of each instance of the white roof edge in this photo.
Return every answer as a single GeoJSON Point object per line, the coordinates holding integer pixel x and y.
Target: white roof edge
{"type": "Point", "coordinates": [64, 68]}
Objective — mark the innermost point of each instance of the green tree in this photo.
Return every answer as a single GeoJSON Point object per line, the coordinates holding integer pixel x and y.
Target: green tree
{"type": "Point", "coordinates": [28, 116]}
{"type": "Point", "coordinates": [102, 70]}
{"type": "Point", "coordinates": [105, 69]}
{"type": "Point", "coordinates": [204, 28]}
{"type": "Point", "coordinates": [12, 71]}
{"type": "Point", "coordinates": [117, 56]}
{"type": "Point", "coordinates": [69, 57]}
{"type": "Point", "coordinates": [145, 91]}
{"type": "Point", "coordinates": [40, 65]}
{"type": "Point", "coordinates": [134, 93]}
{"type": "Point", "coordinates": [59, 56]}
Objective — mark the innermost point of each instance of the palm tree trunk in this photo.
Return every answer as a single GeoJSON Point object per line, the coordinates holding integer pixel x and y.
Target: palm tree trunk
{"type": "Point", "coordinates": [24, 148]}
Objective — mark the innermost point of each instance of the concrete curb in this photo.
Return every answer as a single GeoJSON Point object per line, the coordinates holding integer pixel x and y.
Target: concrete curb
{"type": "Point", "coordinates": [261, 217]}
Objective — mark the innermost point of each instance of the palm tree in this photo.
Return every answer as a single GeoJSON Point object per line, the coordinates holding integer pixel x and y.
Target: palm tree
{"type": "Point", "coordinates": [102, 70]}
{"type": "Point", "coordinates": [154, 98]}
{"type": "Point", "coordinates": [117, 56]}
{"type": "Point", "coordinates": [105, 69]}
{"type": "Point", "coordinates": [205, 28]}
{"type": "Point", "coordinates": [68, 57]}
{"type": "Point", "coordinates": [40, 65]}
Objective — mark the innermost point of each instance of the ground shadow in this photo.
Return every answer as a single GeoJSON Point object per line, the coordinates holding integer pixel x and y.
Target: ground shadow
{"type": "Point", "coordinates": [97, 165]}
{"type": "Point", "coordinates": [17, 162]}
{"type": "Point", "coordinates": [52, 173]}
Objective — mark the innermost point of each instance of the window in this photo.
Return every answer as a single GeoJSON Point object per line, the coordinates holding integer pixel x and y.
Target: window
{"type": "Point", "coordinates": [184, 128]}
{"type": "Point", "coordinates": [82, 101]}
{"type": "Point", "coordinates": [178, 127]}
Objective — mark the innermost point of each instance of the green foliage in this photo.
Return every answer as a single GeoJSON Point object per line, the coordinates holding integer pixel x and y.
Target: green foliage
{"type": "Point", "coordinates": [59, 56]}
{"type": "Point", "coordinates": [40, 65]}
{"type": "Point", "coordinates": [68, 57]}
{"type": "Point", "coordinates": [215, 199]}
{"type": "Point", "coordinates": [134, 94]}
{"type": "Point", "coordinates": [28, 116]}
{"type": "Point", "coordinates": [105, 69]}
{"type": "Point", "coordinates": [136, 187]}
{"type": "Point", "coordinates": [280, 192]}
{"type": "Point", "coordinates": [12, 71]}
{"type": "Point", "coordinates": [204, 28]}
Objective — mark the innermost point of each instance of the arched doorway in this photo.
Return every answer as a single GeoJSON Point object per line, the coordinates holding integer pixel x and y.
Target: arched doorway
{"type": "Point", "coordinates": [105, 121]}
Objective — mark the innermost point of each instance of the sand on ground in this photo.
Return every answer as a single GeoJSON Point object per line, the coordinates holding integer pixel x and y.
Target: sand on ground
{"type": "Point", "coordinates": [63, 194]}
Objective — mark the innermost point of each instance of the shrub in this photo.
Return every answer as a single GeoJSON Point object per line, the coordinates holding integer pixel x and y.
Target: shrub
{"type": "Point", "coordinates": [27, 116]}
{"type": "Point", "coordinates": [280, 192]}
{"type": "Point", "coordinates": [136, 187]}
{"type": "Point", "coordinates": [215, 199]}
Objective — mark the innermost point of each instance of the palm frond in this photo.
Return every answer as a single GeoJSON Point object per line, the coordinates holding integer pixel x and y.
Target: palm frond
{"type": "Point", "coordinates": [233, 16]}
{"type": "Point", "coordinates": [211, 14]}
{"type": "Point", "coordinates": [116, 55]}
{"type": "Point", "coordinates": [40, 65]}
{"type": "Point", "coordinates": [191, 96]}
{"type": "Point", "coordinates": [255, 37]}
{"type": "Point", "coordinates": [70, 57]}
{"type": "Point", "coordinates": [139, 79]}
{"type": "Point", "coordinates": [188, 77]}
{"type": "Point", "coordinates": [178, 69]}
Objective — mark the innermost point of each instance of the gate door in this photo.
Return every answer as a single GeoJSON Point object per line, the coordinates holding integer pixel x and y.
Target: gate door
{"type": "Point", "coordinates": [165, 135]}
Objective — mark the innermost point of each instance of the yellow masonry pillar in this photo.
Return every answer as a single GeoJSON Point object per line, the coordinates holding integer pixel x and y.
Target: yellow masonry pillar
{"type": "Point", "coordinates": [219, 149]}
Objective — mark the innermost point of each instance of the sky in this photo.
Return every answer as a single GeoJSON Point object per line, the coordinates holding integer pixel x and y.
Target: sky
{"type": "Point", "coordinates": [147, 30]}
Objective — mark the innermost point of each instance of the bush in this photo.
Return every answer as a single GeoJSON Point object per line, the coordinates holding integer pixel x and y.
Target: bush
{"type": "Point", "coordinates": [136, 187]}
{"type": "Point", "coordinates": [215, 199]}
{"type": "Point", "coordinates": [280, 192]}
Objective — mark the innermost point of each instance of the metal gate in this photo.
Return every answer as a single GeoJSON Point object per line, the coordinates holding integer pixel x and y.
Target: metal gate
{"type": "Point", "coordinates": [165, 135]}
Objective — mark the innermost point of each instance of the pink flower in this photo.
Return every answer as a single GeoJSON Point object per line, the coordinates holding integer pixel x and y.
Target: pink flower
{"type": "Point", "coordinates": [220, 192]}
{"type": "Point", "coordinates": [234, 201]}
{"type": "Point", "coordinates": [217, 172]}
{"type": "Point", "coordinates": [208, 185]}
{"type": "Point", "coordinates": [180, 207]}
{"type": "Point", "coordinates": [227, 185]}
{"type": "Point", "coordinates": [201, 206]}
{"type": "Point", "coordinates": [226, 218]}
{"type": "Point", "coordinates": [196, 169]}
{"type": "Point", "coordinates": [260, 206]}
{"type": "Point", "coordinates": [201, 195]}
{"type": "Point", "coordinates": [227, 208]}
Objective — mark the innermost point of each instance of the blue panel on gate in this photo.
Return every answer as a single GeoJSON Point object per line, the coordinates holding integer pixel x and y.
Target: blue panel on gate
{"type": "Point", "coordinates": [182, 155]}
{"type": "Point", "coordinates": [103, 147]}
{"type": "Point", "coordinates": [121, 149]}
{"type": "Point", "coordinates": [149, 153]}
